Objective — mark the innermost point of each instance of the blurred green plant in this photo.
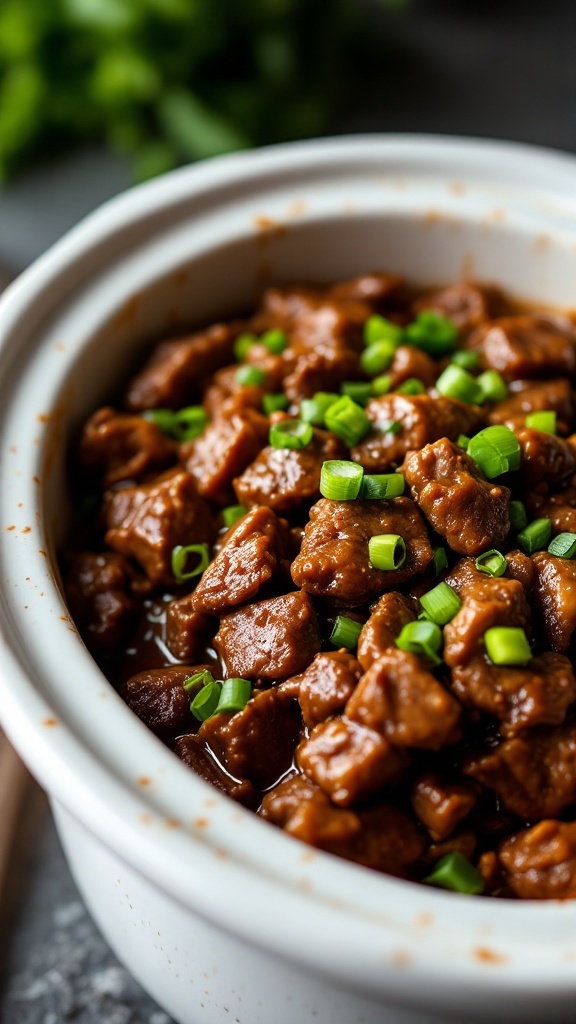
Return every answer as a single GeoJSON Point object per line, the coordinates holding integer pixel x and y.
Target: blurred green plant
{"type": "Point", "coordinates": [169, 81]}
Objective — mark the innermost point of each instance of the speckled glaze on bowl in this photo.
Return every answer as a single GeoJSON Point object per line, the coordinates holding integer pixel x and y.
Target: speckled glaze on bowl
{"type": "Point", "coordinates": [220, 916]}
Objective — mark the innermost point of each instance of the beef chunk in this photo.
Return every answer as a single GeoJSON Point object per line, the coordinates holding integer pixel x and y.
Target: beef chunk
{"type": "Point", "coordinates": [159, 699]}
{"type": "Point", "coordinates": [402, 701]}
{"type": "Point", "coordinates": [147, 522]}
{"type": "Point", "coordinates": [521, 568]}
{"type": "Point", "coordinates": [98, 588]}
{"type": "Point", "coordinates": [540, 863]}
{"type": "Point", "coordinates": [257, 743]}
{"type": "Point", "coordinates": [410, 362]}
{"type": "Point", "coordinates": [187, 631]}
{"type": "Point", "coordinates": [115, 446]}
{"type": "Point", "coordinates": [423, 419]}
{"type": "Point", "coordinates": [454, 495]}
{"type": "Point", "coordinates": [534, 775]}
{"type": "Point", "coordinates": [223, 451]}
{"type": "Point", "coordinates": [193, 752]}
{"type": "Point", "coordinates": [525, 346]}
{"type": "Point", "coordinates": [348, 761]}
{"type": "Point", "coordinates": [270, 639]}
{"type": "Point", "coordinates": [536, 396]}
{"type": "Point", "coordinates": [321, 371]}
{"type": "Point", "coordinates": [441, 805]}
{"type": "Point", "coordinates": [461, 842]}
{"type": "Point", "coordinates": [555, 597]}
{"type": "Point", "coordinates": [467, 305]}
{"type": "Point", "coordinates": [546, 459]}
{"type": "Point", "coordinates": [227, 395]}
{"type": "Point", "coordinates": [246, 561]}
{"type": "Point", "coordinates": [536, 694]}
{"type": "Point", "coordinates": [333, 561]}
{"type": "Point", "coordinates": [315, 319]}
{"type": "Point", "coordinates": [559, 508]}
{"type": "Point", "coordinates": [486, 601]}
{"type": "Point", "coordinates": [326, 685]}
{"type": "Point", "coordinates": [381, 290]}
{"type": "Point", "coordinates": [388, 617]}
{"type": "Point", "coordinates": [283, 478]}
{"type": "Point", "coordinates": [174, 373]}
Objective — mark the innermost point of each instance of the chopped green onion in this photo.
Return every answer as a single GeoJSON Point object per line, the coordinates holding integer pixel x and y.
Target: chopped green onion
{"type": "Point", "coordinates": [275, 341]}
{"type": "Point", "coordinates": [205, 703]}
{"type": "Point", "coordinates": [422, 638]}
{"type": "Point", "coordinates": [340, 480]}
{"type": "Point", "coordinates": [275, 403]}
{"type": "Point", "coordinates": [507, 645]}
{"type": "Point", "coordinates": [393, 427]}
{"type": "Point", "coordinates": [433, 333]}
{"type": "Point", "coordinates": [454, 382]}
{"type": "Point", "coordinates": [382, 485]}
{"type": "Point", "coordinates": [179, 559]}
{"type": "Point", "coordinates": [348, 420]}
{"type": "Point", "coordinates": [441, 604]}
{"type": "Point", "coordinates": [313, 410]}
{"type": "Point", "coordinates": [492, 562]}
{"type": "Point", "coordinates": [412, 386]}
{"type": "Point", "coordinates": [457, 874]}
{"type": "Point", "coordinates": [161, 418]}
{"type": "Point", "coordinates": [232, 514]}
{"type": "Point", "coordinates": [496, 450]}
{"type": "Point", "coordinates": [377, 357]}
{"type": "Point", "coordinates": [242, 345]}
{"type": "Point", "coordinates": [493, 386]}
{"type": "Point", "coordinates": [290, 434]}
{"type": "Point", "coordinates": [381, 385]}
{"type": "Point", "coordinates": [234, 695]}
{"type": "Point", "coordinates": [463, 442]}
{"type": "Point", "coordinates": [535, 536]}
{"type": "Point", "coordinates": [563, 546]}
{"type": "Point", "coordinates": [346, 632]}
{"type": "Point", "coordinates": [249, 375]}
{"type": "Point", "coordinates": [439, 560]}
{"type": "Point", "coordinates": [189, 423]}
{"type": "Point", "coordinates": [467, 359]}
{"type": "Point", "coordinates": [544, 421]}
{"type": "Point", "coordinates": [387, 551]}
{"type": "Point", "coordinates": [198, 680]}
{"type": "Point", "coordinates": [358, 390]}
{"type": "Point", "coordinates": [518, 516]}
{"type": "Point", "coordinates": [377, 328]}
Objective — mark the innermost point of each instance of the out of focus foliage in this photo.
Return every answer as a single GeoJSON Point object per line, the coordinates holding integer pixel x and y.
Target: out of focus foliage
{"type": "Point", "coordinates": [171, 80]}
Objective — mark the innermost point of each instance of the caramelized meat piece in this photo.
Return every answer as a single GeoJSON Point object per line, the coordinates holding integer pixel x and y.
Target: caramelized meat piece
{"type": "Point", "coordinates": [284, 478]}
{"type": "Point", "coordinates": [187, 631]}
{"type": "Point", "coordinates": [402, 701]}
{"type": "Point", "coordinates": [454, 495]}
{"type": "Point", "coordinates": [270, 639]}
{"type": "Point", "coordinates": [461, 842]}
{"type": "Point", "coordinates": [326, 685]}
{"type": "Point", "coordinates": [555, 597]}
{"type": "Point", "coordinates": [321, 371]}
{"type": "Point", "coordinates": [525, 346]}
{"type": "Point", "coordinates": [315, 319]}
{"type": "Point", "coordinates": [441, 805]}
{"type": "Point", "coordinates": [559, 508]}
{"type": "Point", "coordinates": [536, 396]}
{"type": "Point", "coordinates": [306, 812]}
{"type": "Point", "coordinates": [540, 863]}
{"type": "Point", "coordinates": [115, 446]}
{"type": "Point", "coordinates": [147, 522]}
{"type": "Point", "coordinates": [381, 290]}
{"type": "Point", "coordinates": [223, 451]}
{"type": "Point", "coordinates": [193, 752]}
{"type": "Point", "coordinates": [227, 395]}
{"type": "Point", "coordinates": [467, 305]}
{"type": "Point", "coordinates": [333, 561]}
{"type": "Point", "coordinates": [159, 699]}
{"type": "Point", "coordinates": [546, 459]}
{"type": "Point", "coordinates": [388, 617]}
{"type": "Point", "coordinates": [521, 568]}
{"type": "Point", "coordinates": [410, 362]}
{"type": "Point", "coordinates": [98, 588]}
{"type": "Point", "coordinates": [486, 601]}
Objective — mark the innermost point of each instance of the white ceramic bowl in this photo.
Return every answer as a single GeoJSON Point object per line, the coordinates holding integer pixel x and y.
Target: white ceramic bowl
{"type": "Point", "coordinates": [220, 916]}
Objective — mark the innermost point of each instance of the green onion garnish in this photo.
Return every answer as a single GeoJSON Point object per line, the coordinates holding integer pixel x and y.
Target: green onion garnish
{"type": "Point", "coordinates": [206, 701]}
{"type": "Point", "coordinates": [242, 345]}
{"type": "Point", "coordinates": [381, 385]}
{"type": "Point", "coordinates": [232, 514]}
{"type": "Point", "coordinates": [544, 421]}
{"type": "Point", "coordinates": [492, 562]}
{"type": "Point", "coordinates": [439, 560]}
{"type": "Point", "coordinates": [249, 375]}
{"type": "Point", "coordinates": [275, 403]}
{"type": "Point", "coordinates": [454, 382]}
{"type": "Point", "coordinates": [441, 604]}
{"type": "Point", "coordinates": [340, 480]}
{"type": "Point", "coordinates": [358, 390]}
{"type": "Point", "coordinates": [507, 645]}
{"type": "Point", "coordinates": [563, 546]}
{"type": "Point", "coordinates": [161, 418]}
{"type": "Point", "coordinates": [377, 357]}
{"type": "Point", "coordinates": [348, 420]}
{"type": "Point", "coordinates": [387, 551]}
{"type": "Point", "coordinates": [290, 434]}
{"type": "Point", "coordinates": [433, 333]}
{"type": "Point", "coordinates": [496, 450]}
{"type": "Point", "coordinates": [234, 695]}
{"type": "Point", "coordinates": [180, 557]}
{"type": "Point", "coordinates": [377, 328]}
{"type": "Point", "coordinates": [313, 410]}
{"type": "Point", "coordinates": [456, 873]}
{"type": "Point", "coordinates": [412, 386]}
{"type": "Point", "coordinates": [467, 360]}
{"type": "Point", "coordinates": [463, 442]}
{"type": "Point", "coordinates": [422, 637]}
{"type": "Point", "coordinates": [346, 632]}
{"type": "Point", "coordinates": [493, 386]}
{"type": "Point", "coordinates": [393, 427]}
{"type": "Point", "coordinates": [198, 680]}
{"type": "Point", "coordinates": [535, 536]}
{"type": "Point", "coordinates": [183, 425]}
{"type": "Point", "coordinates": [518, 516]}
{"type": "Point", "coordinates": [275, 341]}
{"type": "Point", "coordinates": [382, 485]}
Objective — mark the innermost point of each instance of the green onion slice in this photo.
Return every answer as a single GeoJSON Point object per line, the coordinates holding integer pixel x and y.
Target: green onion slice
{"type": "Point", "coordinates": [358, 390]}
{"type": "Point", "coordinates": [234, 695]}
{"type": "Point", "coordinates": [242, 345]}
{"type": "Point", "coordinates": [563, 546]}
{"type": "Point", "coordinates": [250, 375]}
{"type": "Point", "coordinates": [198, 680]}
{"type": "Point", "coordinates": [181, 556]}
{"type": "Point", "coordinates": [275, 403]}
{"type": "Point", "coordinates": [463, 442]}
{"type": "Point", "coordinates": [423, 638]}
{"type": "Point", "coordinates": [544, 421]}
{"type": "Point", "coordinates": [232, 514]}
{"type": "Point", "coordinates": [387, 551]}
{"type": "Point", "coordinates": [441, 604]}
{"type": "Point", "coordinates": [290, 434]}
{"type": "Point", "coordinates": [507, 645]}
{"type": "Point", "coordinates": [493, 386]}
{"type": "Point", "coordinates": [275, 341]}
{"type": "Point", "coordinates": [161, 418]}
{"type": "Point", "coordinates": [466, 358]}
{"type": "Point", "coordinates": [340, 480]}
{"type": "Point", "coordinates": [382, 385]}
{"type": "Point", "coordinates": [347, 420]}
{"type": "Point", "coordinates": [377, 328]}
{"type": "Point", "coordinates": [377, 357]}
{"type": "Point", "coordinates": [433, 333]}
{"type": "Point", "coordinates": [313, 410]}
{"type": "Point", "coordinates": [412, 386]}
{"type": "Point", "coordinates": [382, 485]}
{"type": "Point", "coordinates": [457, 874]}
{"type": "Point", "coordinates": [206, 701]}
{"type": "Point", "coordinates": [346, 632]}
{"type": "Point", "coordinates": [496, 450]}
{"type": "Point", "coordinates": [189, 423]}
{"type": "Point", "coordinates": [535, 536]}
{"type": "Point", "coordinates": [454, 382]}
{"type": "Point", "coordinates": [492, 562]}
{"type": "Point", "coordinates": [518, 516]}
{"type": "Point", "coordinates": [439, 560]}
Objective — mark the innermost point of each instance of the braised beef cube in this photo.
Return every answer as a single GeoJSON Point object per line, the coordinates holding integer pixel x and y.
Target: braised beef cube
{"type": "Point", "coordinates": [247, 559]}
{"type": "Point", "coordinates": [222, 452]}
{"type": "Point", "coordinates": [147, 522]}
{"type": "Point", "coordinates": [98, 589]}
{"type": "Point", "coordinates": [381, 290]}
{"type": "Point", "coordinates": [284, 478]}
{"type": "Point", "coordinates": [412, 363]}
{"type": "Point", "coordinates": [192, 751]}
{"type": "Point", "coordinates": [402, 701]}
{"type": "Point", "coordinates": [423, 419]}
{"type": "Point", "coordinates": [226, 394]}
{"type": "Point", "coordinates": [316, 319]}
{"type": "Point", "coordinates": [441, 805]}
{"type": "Point", "coordinates": [525, 346]}
{"type": "Point", "coordinates": [257, 743]}
{"type": "Point", "coordinates": [159, 699]}
{"type": "Point", "coordinates": [387, 841]}
{"type": "Point", "coordinates": [546, 459]}
{"type": "Point", "coordinates": [540, 862]}
{"type": "Point", "coordinates": [334, 562]}
{"type": "Point", "coordinates": [534, 775]}
{"type": "Point", "coordinates": [305, 812]}
{"type": "Point", "coordinates": [116, 446]}
{"type": "Point", "coordinates": [175, 371]}
{"type": "Point", "coordinates": [487, 601]}
{"type": "Point", "coordinates": [521, 568]}
{"type": "Point", "coordinates": [349, 761]}
{"type": "Point", "coordinates": [461, 842]}
{"type": "Point", "coordinates": [536, 396]}
{"type": "Point", "coordinates": [187, 631]}
{"type": "Point", "coordinates": [559, 508]}
{"type": "Point", "coordinates": [388, 617]}
{"type": "Point", "coordinates": [472, 513]}
{"type": "Point", "coordinates": [467, 305]}
{"type": "Point", "coordinates": [270, 639]}
{"type": "Point", "coordinates": [320, 370]}
{"type": "Point", "coordinates": [555, 597]}
{"type": "Point", "coordinates": [325, 686]}
{"type": "Point", "coordinates": [519, 697]}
